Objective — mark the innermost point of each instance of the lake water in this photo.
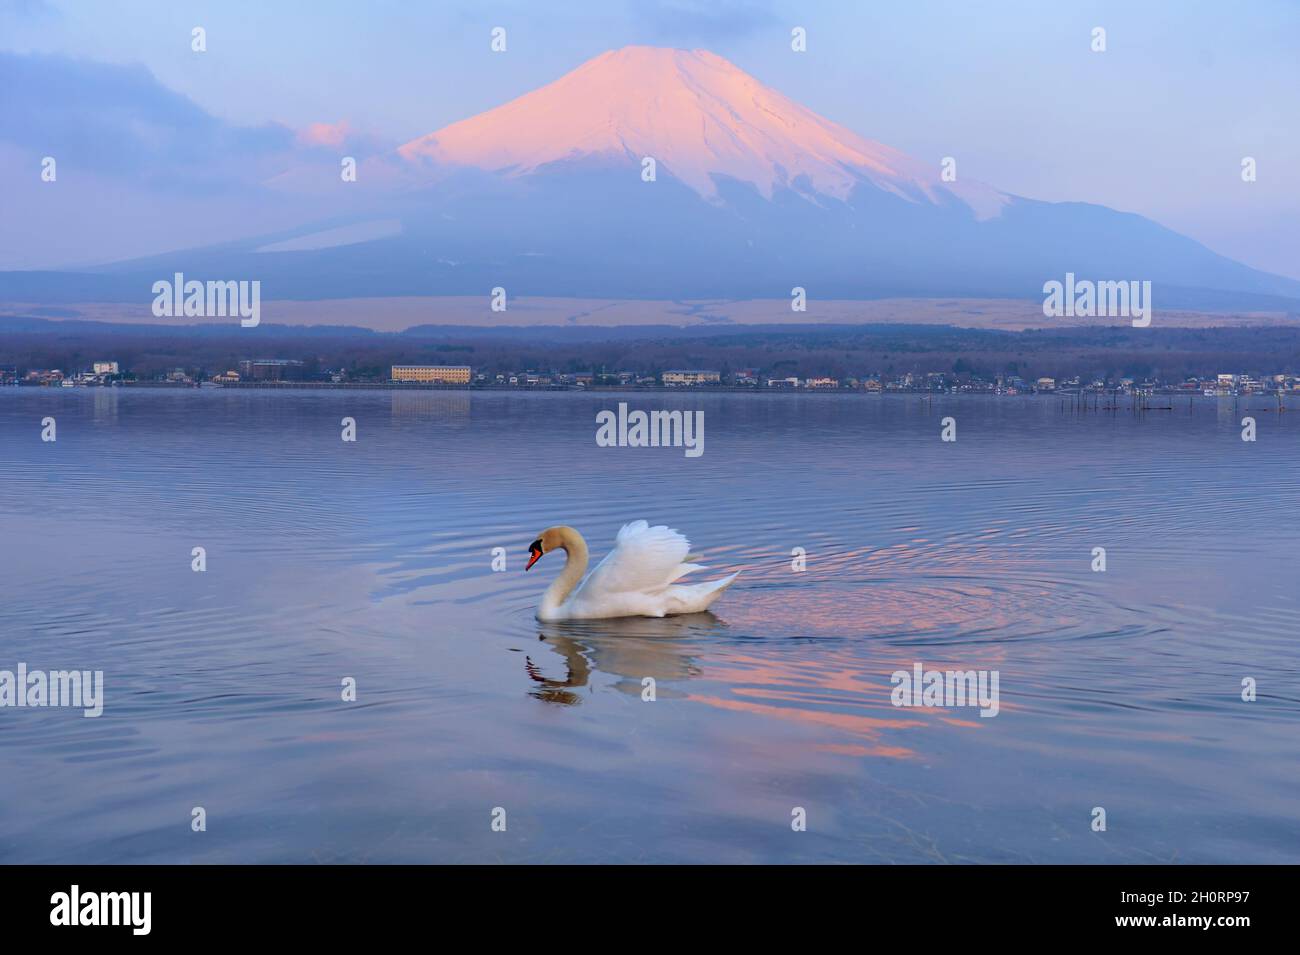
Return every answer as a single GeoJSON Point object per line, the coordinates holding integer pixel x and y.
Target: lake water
{"type": "Point", "coordinates": [372, 560]}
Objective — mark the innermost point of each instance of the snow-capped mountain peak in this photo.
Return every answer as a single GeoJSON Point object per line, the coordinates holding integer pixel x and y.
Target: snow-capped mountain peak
{"type": "Point", "coordinates": [699, 116]}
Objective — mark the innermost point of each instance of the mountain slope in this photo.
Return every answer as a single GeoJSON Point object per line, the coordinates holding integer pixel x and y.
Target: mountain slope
{"type": "Point", "coordinates": [700, 117]}
{"type": "Point", "coordinates": [754, 195]}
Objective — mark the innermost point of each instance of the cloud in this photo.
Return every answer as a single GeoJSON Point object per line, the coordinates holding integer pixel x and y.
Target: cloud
{"type": "Point", "coordinates": [143, 169]}
{"type": "Point", "coordinates": [120, 121]}
{"type": "Point", "coordinates": [325, 134]}
{"type": "Point", "coordinates": [342, 137]}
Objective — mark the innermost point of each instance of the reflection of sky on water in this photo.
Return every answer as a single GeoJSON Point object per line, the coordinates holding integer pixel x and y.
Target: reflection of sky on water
{"type": "Point", "coordinates": [373, 561]}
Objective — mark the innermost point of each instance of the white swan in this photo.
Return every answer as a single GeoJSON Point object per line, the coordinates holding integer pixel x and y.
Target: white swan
{"type": "Point", "coordinates": [636, 579]}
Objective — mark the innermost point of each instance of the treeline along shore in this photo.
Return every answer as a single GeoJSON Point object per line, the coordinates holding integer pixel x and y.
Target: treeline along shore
{"type": "Point", "coordinates": [353, 356]}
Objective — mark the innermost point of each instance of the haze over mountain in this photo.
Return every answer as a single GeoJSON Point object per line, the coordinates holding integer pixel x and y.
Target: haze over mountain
{"type": "Point", "coordinates": [753, 194]}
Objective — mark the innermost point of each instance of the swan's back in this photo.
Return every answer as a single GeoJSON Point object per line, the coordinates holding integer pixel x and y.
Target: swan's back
{"type": "Point", "coordinates": [645, 559]}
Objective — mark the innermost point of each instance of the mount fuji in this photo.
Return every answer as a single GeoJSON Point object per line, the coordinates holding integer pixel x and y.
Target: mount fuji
{"type": "Point", "coordinates": [752, 194]}
{"type": "Point", "coordinates": [702, 119]}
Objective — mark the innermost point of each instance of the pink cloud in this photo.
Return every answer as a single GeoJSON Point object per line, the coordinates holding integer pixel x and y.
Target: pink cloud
{"type": "Point", "coordinates": [325, 134]}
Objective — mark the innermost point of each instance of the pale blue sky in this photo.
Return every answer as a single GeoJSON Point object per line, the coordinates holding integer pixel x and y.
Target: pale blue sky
{"type": "Point", "coordinates": [1158, 124]}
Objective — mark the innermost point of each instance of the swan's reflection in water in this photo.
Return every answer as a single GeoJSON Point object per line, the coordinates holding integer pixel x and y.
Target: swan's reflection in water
{"type": "Point", "coordinates": [629, 648]}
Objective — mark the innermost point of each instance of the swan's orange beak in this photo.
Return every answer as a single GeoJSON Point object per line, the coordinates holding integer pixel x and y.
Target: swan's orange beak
{"type": "Point", "coordinates": [534, 552]}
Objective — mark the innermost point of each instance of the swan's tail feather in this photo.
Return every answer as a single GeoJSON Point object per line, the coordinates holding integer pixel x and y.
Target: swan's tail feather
{"type": "Point", "coordinates": [699, 597]}
{"type": "Point", "coordinates": [684, 569]}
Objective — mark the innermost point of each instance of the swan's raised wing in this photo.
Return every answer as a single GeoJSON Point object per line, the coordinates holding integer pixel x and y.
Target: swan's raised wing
{"type": "Point", "coordinates": [645, 559]}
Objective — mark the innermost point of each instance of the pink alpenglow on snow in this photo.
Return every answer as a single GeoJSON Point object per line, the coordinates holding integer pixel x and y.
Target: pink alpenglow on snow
{"type": "Point", "coordinates": [698, 115]}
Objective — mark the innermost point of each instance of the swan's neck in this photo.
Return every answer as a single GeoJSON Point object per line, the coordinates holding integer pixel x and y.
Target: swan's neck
{"type": "Point", "coordinates": [575, 565]}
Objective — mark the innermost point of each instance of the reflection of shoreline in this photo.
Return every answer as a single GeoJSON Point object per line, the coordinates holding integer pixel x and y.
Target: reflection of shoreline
{"type": "Point", "coordinates": [1118, 401]}
{"type": "Point", "coordinates": [336, 386]}
{"type": "Point", "coordinates": [452, 407]}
